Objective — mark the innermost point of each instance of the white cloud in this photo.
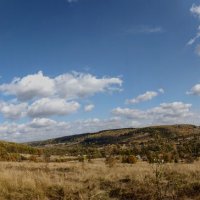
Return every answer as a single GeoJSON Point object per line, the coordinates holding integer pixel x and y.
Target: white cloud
{"type": "Point", "coordinates": [129, 113]}
{"type": "Point", "coordinates": [170, 112]}
{"type": "Point", "coordinates": [41, 122]}
{"type": "Point", "coordinates": [144, 97]}
{"type": "Point", "coordinates": [45, 96]}
{"type": "Point", "coordinates": [44, 107]}
{"type": "Point", "coordinates": [79, 85]}
{"type": "Point", "coordinates": [13, 111]}
{"type": "Point", "coordinates": [195, 10]}
{"type": "Point", "coordinates": [50, 107]}
{"type": "Point", "coordinates": [193, 40]}
{"type": "Point", "coordinates": [89, 107]}
{"type": "Point", "coordinates": [69, 86]}
{"type": "Point", "coordinates": [174, 112]}
{"type": "Point", "coordinates": [195, 90]}
{"type": "Point", "coordinates": [29, 87]}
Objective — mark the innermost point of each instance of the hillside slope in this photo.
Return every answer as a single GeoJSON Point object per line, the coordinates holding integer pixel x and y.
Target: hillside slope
{"type": "Point", "coordinates": [10, 151]}
{"type": "Point", "coordinates": [123, 136]}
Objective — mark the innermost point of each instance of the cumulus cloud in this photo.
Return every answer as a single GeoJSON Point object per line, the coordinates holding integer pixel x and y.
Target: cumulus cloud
{"type": "Point", "coordinates": [13, 111]}
{"type": "Point", "coordinates": [195, 10]}
{"type": "Point", "coordinates": [29, 87]}
{"type": "Point", "coordinates": [41, 122]}
{"type": "Point", "coordinates": [144, 97]}
{"type": "Point", "coordinates": [69, 86]}
{"type": "Point", "coordinates": [195, 90]}
{"type": "Point", "coordinates": [170, 112]}
{"type": "Point", "coordinates": [79, 85]}
{"type": "Point", "coordinates": [164, 113]}
{"type": "Point", "coordinates": [46, 107]}
{"type": "Point", "coordinates": [38, 95]}
{"type": "Point", "coordinates": [89, 107]}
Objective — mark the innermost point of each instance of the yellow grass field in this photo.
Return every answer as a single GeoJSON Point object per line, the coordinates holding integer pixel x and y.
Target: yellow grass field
{"type": "Point", "coordinates": [96, 180]}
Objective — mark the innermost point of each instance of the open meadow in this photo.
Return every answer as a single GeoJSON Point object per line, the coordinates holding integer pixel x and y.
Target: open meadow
{"type": "Point", "coordinates": [98, 180]}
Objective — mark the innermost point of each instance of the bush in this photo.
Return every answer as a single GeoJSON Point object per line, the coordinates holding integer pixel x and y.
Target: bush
{"type": "Point", "coordinates": [129, 159]}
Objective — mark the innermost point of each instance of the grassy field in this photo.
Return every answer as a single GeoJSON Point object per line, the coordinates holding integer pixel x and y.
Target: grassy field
{"type": "Point", "coordinates": [96, 180]}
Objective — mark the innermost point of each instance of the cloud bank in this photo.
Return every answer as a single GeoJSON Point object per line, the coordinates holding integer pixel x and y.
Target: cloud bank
{"type": "Point", "coordinates": [174, 112]}
{"type": "Point", "coordinates": [44, 128]}
{"type": "Point", "coordinates": [37, 95]}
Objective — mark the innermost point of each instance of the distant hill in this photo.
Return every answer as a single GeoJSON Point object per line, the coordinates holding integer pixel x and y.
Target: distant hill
{"type": "Point", "coordinates": [11, 147]}
{"type": "Point", "coordinates": [123, 136]}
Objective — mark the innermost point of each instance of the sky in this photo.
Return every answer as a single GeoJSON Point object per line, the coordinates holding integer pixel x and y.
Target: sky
{"type": "Point", "coordinates": [78, 66]}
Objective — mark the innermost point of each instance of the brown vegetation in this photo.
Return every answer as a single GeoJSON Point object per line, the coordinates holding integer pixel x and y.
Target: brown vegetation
{"type": "Point", "coordinates": [75, 181]}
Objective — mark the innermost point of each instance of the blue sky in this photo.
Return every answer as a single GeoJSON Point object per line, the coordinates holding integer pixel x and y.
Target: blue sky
{"type": "Point", "coordinates": [74, 66]}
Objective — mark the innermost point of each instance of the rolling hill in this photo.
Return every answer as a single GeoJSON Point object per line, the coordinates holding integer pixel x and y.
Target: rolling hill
{"type": "Point", "coordinates": [123, 136]}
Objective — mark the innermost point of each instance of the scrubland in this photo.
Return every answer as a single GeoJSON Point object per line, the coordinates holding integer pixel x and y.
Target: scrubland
{"type": "Point", "coordinates": [97, 180]}
{"type": "Point", "coordinates": [152, 163]}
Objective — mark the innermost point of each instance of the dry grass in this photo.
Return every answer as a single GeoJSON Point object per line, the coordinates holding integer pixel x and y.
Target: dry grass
{"type": "Point", "coordinates": [74, 180]}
